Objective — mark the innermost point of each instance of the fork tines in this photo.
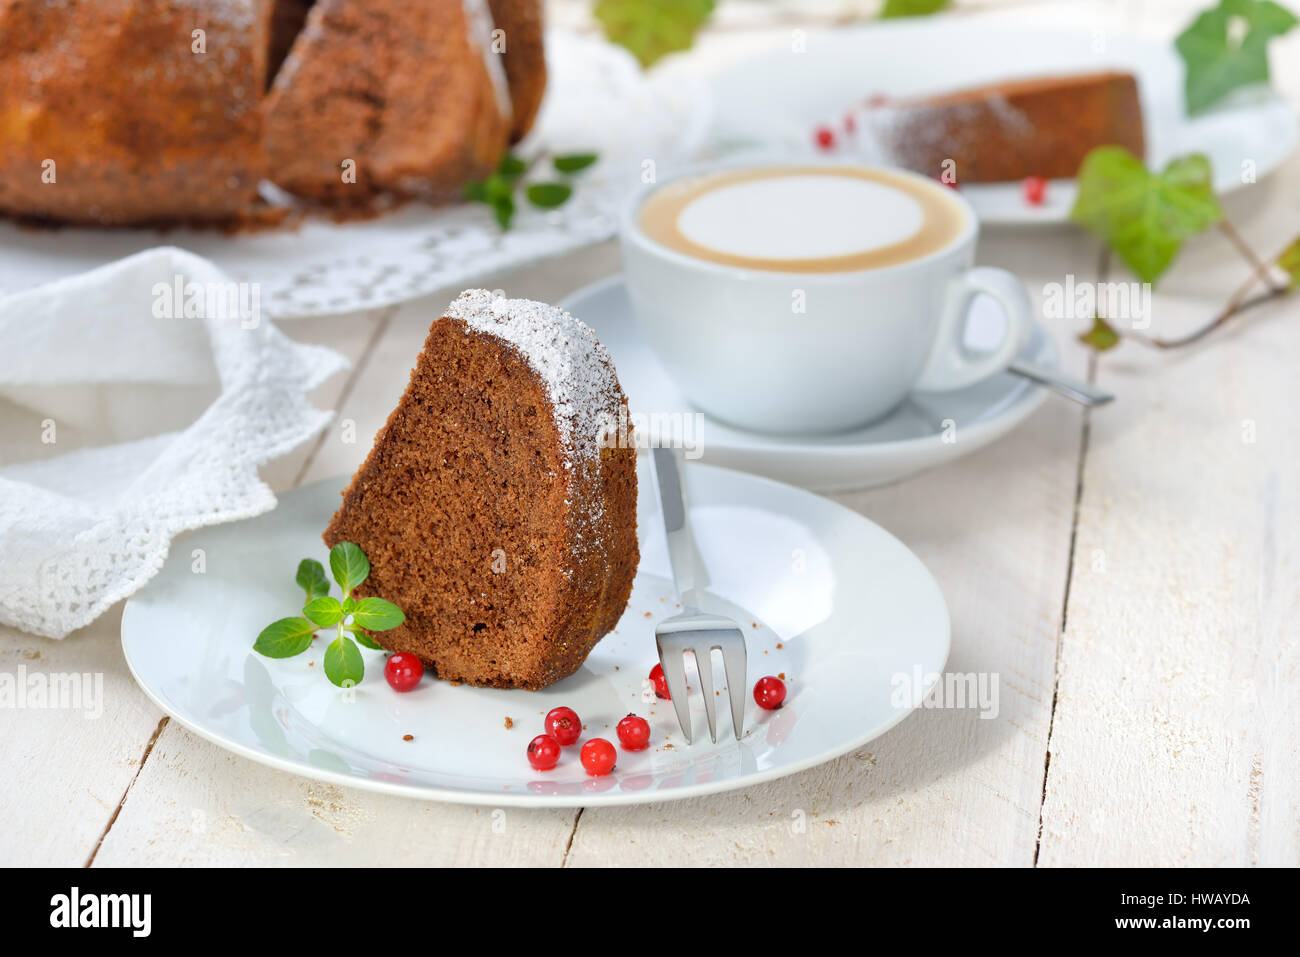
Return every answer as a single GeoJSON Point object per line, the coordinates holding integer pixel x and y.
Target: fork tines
{"type": "Point", "coordinates": [700, 634]}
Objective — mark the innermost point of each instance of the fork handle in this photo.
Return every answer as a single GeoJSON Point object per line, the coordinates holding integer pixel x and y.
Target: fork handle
{"type": "Point", "coordinates": [681, 546]}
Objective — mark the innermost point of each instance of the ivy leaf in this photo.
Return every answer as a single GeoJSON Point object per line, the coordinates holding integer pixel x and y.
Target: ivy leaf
{"type": "Point", "coordinates": [1101, 336]}
{"type": "Point", "coordinates": [1144, 217]}
{"type": "Point", "coordinates": [1289, 261]}
{"type": "Point", "coordinates": [573, 162]}
{"type": "Point", "coordinates": [375, 614]}
{"type": "Point", "coordinates": [285, 638]}
{"type": "Point", "coordinates": [324, 611]}
{"type": "Point", "coordinates": [343, 663]}
{"type": "Point", "coordinates": [549, 195]}
{"type": "Point", "coordinates": [367, 641]}
{"type": "Point", "coordinates": [911, 8]}
{"type": "Point", "coordinates": [1226, 47]}
{"type": "Point", "coordinates": [651, 29]}
{"type": "Point", "coordinates": [349, 565]}
{"type": "Point", "coordinates": [311, 578]}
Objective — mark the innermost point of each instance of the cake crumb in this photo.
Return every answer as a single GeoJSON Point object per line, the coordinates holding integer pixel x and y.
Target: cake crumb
{"type": "Point", "coordinates": [510, 723]}
{"type": "Point", "coordinates": [781, 675]}
{"type": "Point", "coordinates": [779, 646]}
{"type": "Point", "coordinates": [408, 737]}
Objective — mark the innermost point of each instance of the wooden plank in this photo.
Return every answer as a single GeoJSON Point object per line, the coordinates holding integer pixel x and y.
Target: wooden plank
{"type": "Point", "coordinates": [68, 774]}
{"type": "Point", "coordinates": [251, 814]}
{"type": "Point", "coordinates": [945, 786]}
{"type": "Point", "coordinates": [197, 804]}
{"type": "Point", "coordinates": [1175, 735]}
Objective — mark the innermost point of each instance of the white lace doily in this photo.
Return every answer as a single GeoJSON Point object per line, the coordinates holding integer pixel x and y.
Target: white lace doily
{"type": "Point", "coordinates": [95, 367]}
{"type": "Point", "coordinates": [597, 99]}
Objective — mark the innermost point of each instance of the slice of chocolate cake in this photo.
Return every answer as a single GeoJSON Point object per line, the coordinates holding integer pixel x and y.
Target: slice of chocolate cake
{"type": "Point", "coordinates": [497, 507]}
{"type": "Point", "coordinates": [1042, 126]}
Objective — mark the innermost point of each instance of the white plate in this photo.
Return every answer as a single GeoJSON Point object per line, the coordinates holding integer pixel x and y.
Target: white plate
{"type": "Point", "coordinates": [778, 98]}
{"type": "Point", "coordinates": [928, 429]}
{"type": "Point", "coordinates": [598, 99]}
{"type": "Point", "coordinates": [851, 606]}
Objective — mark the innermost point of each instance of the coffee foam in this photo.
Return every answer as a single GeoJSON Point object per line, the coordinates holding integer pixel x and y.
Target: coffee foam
{"type": "Point", "coordinates": [800, 217]}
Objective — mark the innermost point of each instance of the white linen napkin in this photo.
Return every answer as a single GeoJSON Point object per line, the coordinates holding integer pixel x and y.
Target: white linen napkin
{"type": "Point", "coordinates": [136, 401]}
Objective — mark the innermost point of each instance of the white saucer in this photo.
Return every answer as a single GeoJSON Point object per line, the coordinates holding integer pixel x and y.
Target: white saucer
{"type": "Point", "coordinates": [855, 618]}
{"type": "Point", "coordinates": [926, 430]}
{"type": "Point", "coordinates": [901, 58]}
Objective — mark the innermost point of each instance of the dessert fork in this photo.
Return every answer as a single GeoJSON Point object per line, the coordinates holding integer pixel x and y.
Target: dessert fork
{"type": "Point", "coordinates": [693, 630]}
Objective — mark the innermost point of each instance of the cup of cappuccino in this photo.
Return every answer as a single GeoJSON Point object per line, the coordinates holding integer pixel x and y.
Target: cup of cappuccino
{"type": "Point", "coordinates": [809, 296]}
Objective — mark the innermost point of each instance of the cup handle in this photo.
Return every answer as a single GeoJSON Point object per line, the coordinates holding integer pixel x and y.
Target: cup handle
{"type": "Point", "coordinates": [951, 365]}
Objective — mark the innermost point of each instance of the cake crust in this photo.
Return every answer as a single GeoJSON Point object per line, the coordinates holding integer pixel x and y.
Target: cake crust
{"type": "Point", "coordinates": [493, 507]}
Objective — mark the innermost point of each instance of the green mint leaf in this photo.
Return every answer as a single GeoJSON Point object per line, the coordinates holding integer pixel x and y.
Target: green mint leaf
{"type": "Point", "coordinates": [311, 578]}
{"type": "Point", "coordinates": [375, 614]}
{"type": "Point", "coordinates": [324, 611]}
{"type": "Point", "coordinates": [349, 565]}
{"type": "Point", "coordinates": [651, 29]}
{"type": "Point", "coordinates": [285, 638]}
{"type": "Point", "coordinates": [348, 604]}
{"type": "Point", "coordinates": [511, 165]}
{"type": "Point", "coordinates": [476, 192]}
{"type": "Point", "coordinates": [1101, 336]}
{"type": "Point", "coordinates": [366, 640]}
{"type": "Point", "coordinates": [573, 162]}
{"type": "Point", "coordinates": [1144, 217]}
{"type": "Point", "coordinates": [549, 195]}
{"type": "Point", "coordinates": [1289, 261]}
{"type": "Point", "coordinates": [343, 663]}
{"type": "Point", "coordinates": [1226, 47]}
{"type": "Point", "coordinates": [911, 8]}
{"type": "Point", "coordinates": [503, 209]}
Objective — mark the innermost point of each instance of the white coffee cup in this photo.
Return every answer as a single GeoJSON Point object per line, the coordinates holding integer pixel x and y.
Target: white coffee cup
{"type": "Point", "coordinates": [737, 344]}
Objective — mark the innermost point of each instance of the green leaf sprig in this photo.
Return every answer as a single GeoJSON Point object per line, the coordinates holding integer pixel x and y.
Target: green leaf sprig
{"type": "Point", "coordinates": [1226, 47]}
{"type": "Point", "coordinates": [350, 618]}
{"type": "Point", "coordinates": [498, 190]}
{"type": "Point", "coordinates": [1145, 217]}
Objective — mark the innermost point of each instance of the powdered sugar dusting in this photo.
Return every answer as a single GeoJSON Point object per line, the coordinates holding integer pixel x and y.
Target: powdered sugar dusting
{"type": "Point", "coordinates": [575, 368]}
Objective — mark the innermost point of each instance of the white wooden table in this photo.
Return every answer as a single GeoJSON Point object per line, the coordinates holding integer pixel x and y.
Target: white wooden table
{"type": "Point", "coordinates": [1130, 575]}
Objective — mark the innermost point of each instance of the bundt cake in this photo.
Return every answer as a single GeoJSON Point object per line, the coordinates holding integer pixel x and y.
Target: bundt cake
{"type": "Point", "coordinates": [498, 505]}
{"type": "Point", "coordinates": [402, 96]}
{"type": "Point", "coordinates": [520, 23]}
{"type": "Point", "coordinates": [120, 112]}
{"type": "Point", "coordinates": [131, 111]}
{"type": "Point", "coordinates": [1006, 131]}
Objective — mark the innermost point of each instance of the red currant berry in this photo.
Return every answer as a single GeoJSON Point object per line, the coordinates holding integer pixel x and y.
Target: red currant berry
{"type": "Point", "coordinates": [825, 137]}
{"type": "Point", "coordinates": [543, 752]}
{"type": "Point", "coordinates": [403, 671]}
{"type": "Point", "coordinates": [634, 733]}
{"type": "Point", "coordinates": [769, 692]}
{"type": "Point", "coordinates": [660, 682]}
{"type": "Point", "coordinates": [598, 757]}
{"type": "Point", "coordinates": [1034, 189]}
{"type": "Point", "coordinates": [564, 726]}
